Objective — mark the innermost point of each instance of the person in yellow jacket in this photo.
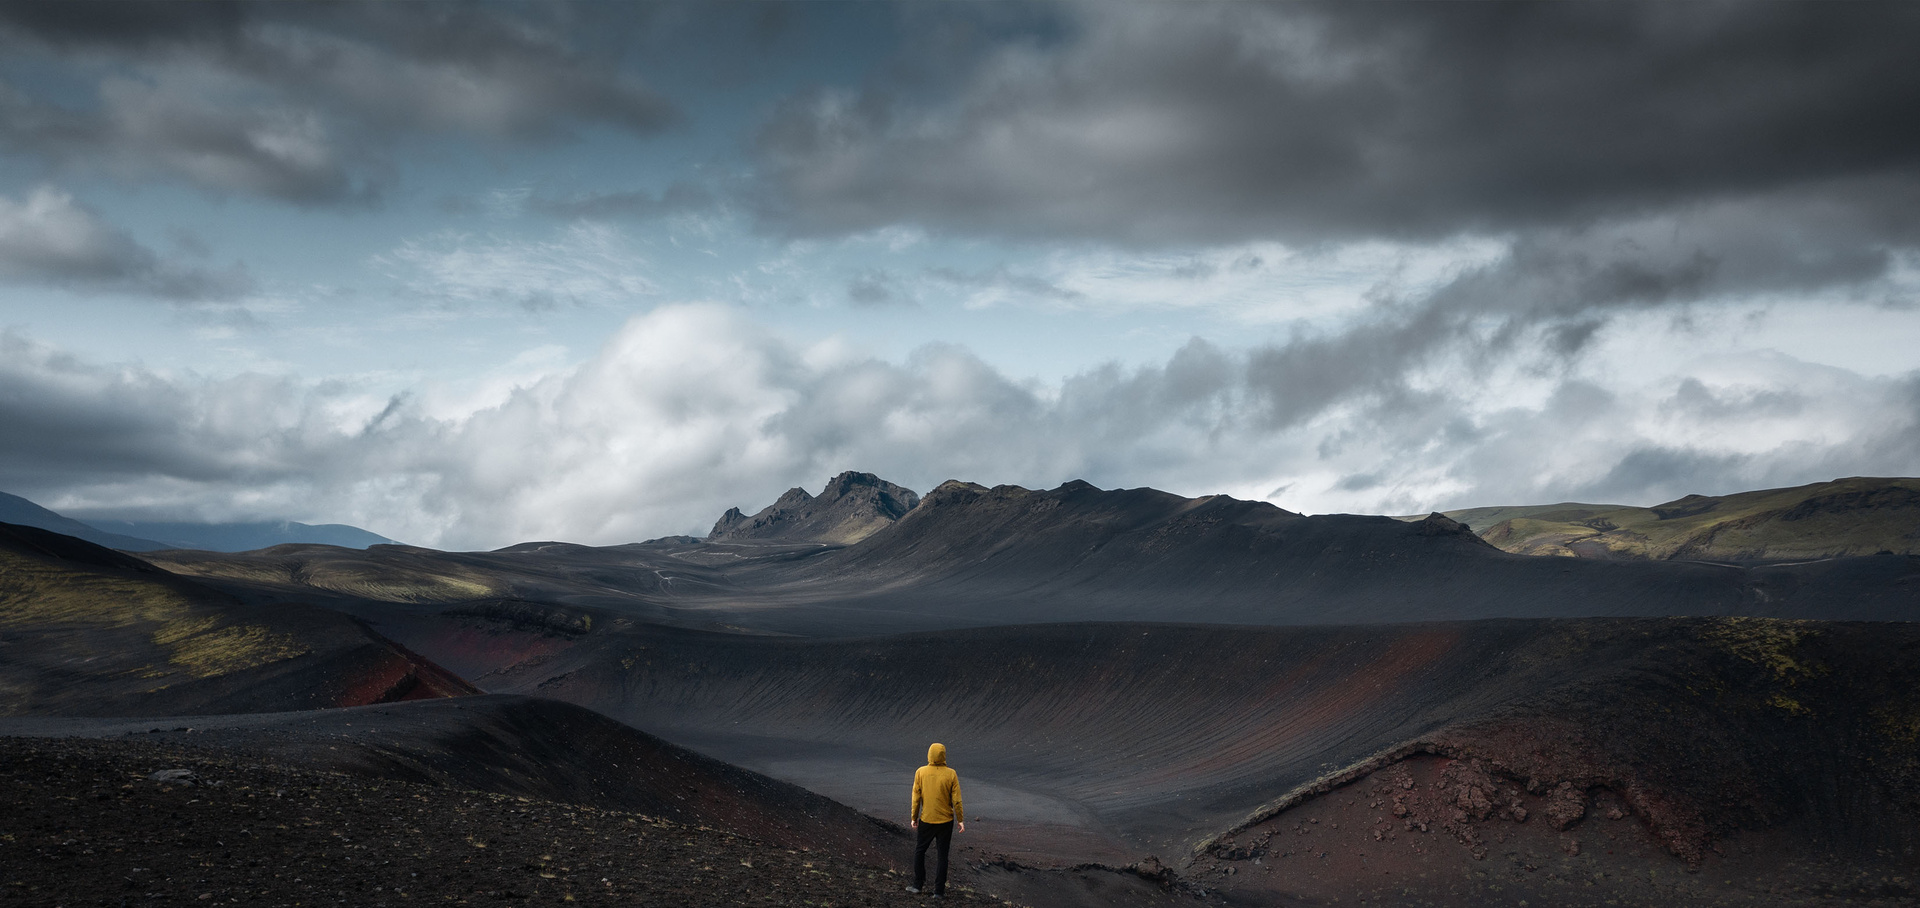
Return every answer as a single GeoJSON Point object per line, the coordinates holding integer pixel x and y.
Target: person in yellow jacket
{"type": "Point", "coordinates": [936, 816]}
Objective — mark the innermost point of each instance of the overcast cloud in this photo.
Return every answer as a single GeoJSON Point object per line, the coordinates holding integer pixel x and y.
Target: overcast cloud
{"type": "Point", "coordinates": [298, 102]}
{"type": "Point", "coordinates": [1204, 123]}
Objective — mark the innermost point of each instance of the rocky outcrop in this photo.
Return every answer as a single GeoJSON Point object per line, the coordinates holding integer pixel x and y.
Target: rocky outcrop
{"type": "Point", "coordinates": [852, 507]}
{"type": "Point", "coordinates": [1438, 524]}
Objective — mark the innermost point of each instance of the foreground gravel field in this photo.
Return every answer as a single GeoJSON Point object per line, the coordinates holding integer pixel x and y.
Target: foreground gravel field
{"type": "Point", "coordinates": [87, 822]}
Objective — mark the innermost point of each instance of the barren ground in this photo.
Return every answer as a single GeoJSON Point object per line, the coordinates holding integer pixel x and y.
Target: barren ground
{"type": "Point", "coordinates": [83, 823]}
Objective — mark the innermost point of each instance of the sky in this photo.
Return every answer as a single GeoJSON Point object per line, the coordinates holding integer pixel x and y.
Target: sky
{"type": "Point", "coordinates": [468, 275]}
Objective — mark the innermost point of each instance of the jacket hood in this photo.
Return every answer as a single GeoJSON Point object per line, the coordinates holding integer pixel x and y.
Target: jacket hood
{"type": "Point", "coordinates": [937, 755]}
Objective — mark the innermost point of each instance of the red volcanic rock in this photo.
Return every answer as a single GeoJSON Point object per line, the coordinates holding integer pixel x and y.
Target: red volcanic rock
{"type": "Point", "coordinates": [1558, 762]}
{"type": "Point", "coordinates": [1566, 805]}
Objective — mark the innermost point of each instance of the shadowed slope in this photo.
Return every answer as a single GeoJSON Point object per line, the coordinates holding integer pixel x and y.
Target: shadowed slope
{"type": "Point", "coordinates": [520, 746]}
{"type": "Point", "coordinates": [89, 631]}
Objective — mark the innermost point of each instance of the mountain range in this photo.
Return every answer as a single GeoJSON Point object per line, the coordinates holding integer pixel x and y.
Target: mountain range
{"type": "Point", "coordinates": [970, 556]}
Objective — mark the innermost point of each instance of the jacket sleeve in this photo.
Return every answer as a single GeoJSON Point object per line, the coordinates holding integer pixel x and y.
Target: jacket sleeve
{"type": "Point", "coordinates": [918, 798]}
{"type": "Point", "coordinates": [959, 815]}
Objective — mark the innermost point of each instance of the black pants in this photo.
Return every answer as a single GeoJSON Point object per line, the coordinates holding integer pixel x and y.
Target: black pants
{"type": "Point", "coordinates": [927, 834]}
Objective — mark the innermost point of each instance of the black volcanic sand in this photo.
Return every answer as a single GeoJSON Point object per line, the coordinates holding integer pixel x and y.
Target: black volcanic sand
{"type": "Point", "coordinates": [82, 823]}
{"type": "Point", "coordinates": [519, 746]}
{"type": "Point", "coordinates": [1110, 743]}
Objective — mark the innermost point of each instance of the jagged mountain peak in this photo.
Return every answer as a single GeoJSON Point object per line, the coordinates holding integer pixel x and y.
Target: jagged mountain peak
{"type": "Point", "coordinates": [852, 506]}
{"type": "Point", "coordinates": [793, 498]}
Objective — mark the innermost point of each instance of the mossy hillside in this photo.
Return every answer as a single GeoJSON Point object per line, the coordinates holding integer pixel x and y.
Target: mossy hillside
{"type": "Point", "coordinates": [186, 637]}
{"type": "Point", "coordinates": [1771, 643]}
{"type": "Point", "coordinates": [380, 577]}
{"type": "Point", "coordinates": [1857, 516]}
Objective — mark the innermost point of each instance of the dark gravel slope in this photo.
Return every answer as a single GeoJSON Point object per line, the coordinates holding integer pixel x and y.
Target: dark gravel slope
{"type": "Point", "coordinates": [83, 823]}
{"type": "Point", "coordinates": [519, 746]}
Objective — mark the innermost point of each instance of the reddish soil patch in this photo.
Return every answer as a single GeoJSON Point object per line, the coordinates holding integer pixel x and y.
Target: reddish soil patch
{"type": "Point", "coordinates": [399, 677]}
{"type": "Point", "coordinates": [1431, 830]}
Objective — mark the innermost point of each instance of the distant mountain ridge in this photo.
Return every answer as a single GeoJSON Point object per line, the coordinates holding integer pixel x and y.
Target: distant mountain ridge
{"type": "Point", "coordinates": [246, 537]}
{"type": "Point", "coordinates": [1854, 516]}
{"type": "Point", "coordinates": [852, 507]}
{"type": "Point", "coordinates": [17, 510]}
{"type": "Point", "coordinates": [1845, 517]}
{"type": "Point", "coordinates": [148, 536]}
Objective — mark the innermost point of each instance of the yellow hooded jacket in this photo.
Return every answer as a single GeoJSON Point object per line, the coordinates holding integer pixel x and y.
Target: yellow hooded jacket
{"type": "Point", "coordinates": [936, 789]}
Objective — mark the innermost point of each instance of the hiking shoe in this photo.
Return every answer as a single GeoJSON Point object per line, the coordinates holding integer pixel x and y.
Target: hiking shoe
{"type": "Point", "coordinates": [914, 889]}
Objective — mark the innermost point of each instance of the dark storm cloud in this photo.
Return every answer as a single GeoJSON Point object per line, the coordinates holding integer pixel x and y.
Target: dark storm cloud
{"type": "Point", "coordinates": [294, 101]}
{"type": "Point", "coordinates": [1630, 158]}
{"type": "Point", "coordinates": [128, 23]}
{"type": "Point", "coordinates": [141, 129]}
{"type": "Point", "coordinates": [1203, 123]}
{"type": "Point", "coordinates": [463, 67]}
{"type": "Point", "coordinates": [49, 238]}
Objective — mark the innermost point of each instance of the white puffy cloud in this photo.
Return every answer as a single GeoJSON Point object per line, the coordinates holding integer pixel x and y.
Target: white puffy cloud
{"type": "Point", "coordinates": [689, 410]}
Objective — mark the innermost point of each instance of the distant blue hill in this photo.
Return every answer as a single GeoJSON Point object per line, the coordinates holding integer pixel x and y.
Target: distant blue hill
{"type": "Point", "coordinates": [244, 537]}
{"type": "Point", "coordinates": [147, 536]}
{"type": "Point", "coordinates": [14, 509]}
